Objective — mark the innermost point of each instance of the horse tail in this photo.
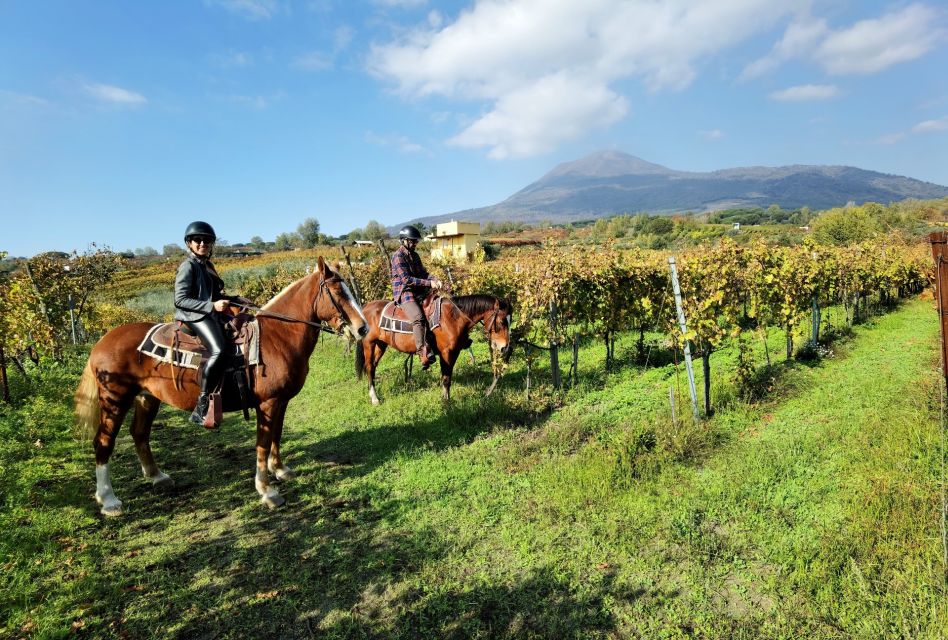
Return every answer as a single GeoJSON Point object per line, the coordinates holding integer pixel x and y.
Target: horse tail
{"type": "Point", "coordinates": [87, 403]}
{"type": "Point", "coordinates": [360, 359]}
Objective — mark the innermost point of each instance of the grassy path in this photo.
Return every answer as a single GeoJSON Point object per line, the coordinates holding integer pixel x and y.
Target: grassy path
{"type": "Point", "coordinates": [812, 514]}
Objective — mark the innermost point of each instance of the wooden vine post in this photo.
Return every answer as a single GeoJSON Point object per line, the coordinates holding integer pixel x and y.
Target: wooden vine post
{"type": "Point", "coordinates": [939, 240]}
{"type": "Point", "coordinates": [815, 335]}
{"type": "Point", "coordinates": [352, 278]}
{"type": "Point", "coordinates": [554, 348]}
{"type": "Point", "coordinates": [385, 255]}
{"type": "Point", "coordinates": [3, 376]}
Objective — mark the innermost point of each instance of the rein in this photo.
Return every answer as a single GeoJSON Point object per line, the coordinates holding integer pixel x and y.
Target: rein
{"type": "Point", "coordinates": [488, 326]}
{"type": "Point", "coordinates": [279, 316]}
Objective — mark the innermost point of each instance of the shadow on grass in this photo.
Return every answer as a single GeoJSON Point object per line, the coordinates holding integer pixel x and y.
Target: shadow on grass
{"type": "Point", "coordinates": [204, 560]}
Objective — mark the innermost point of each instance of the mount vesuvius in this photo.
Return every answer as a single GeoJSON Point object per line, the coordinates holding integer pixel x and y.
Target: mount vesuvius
{"type": "Point", "coordinates": [608, 183]}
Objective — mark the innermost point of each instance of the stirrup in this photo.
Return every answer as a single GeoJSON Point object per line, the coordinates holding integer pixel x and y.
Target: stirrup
{"type": "Point", "coordinates": [426, 358]}
{"type": "Point", "coordinates": [207, 411]}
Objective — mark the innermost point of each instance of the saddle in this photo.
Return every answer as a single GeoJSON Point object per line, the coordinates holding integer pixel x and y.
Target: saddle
{"type": "Point", "coordinates": [173, 343]}
{"type": "Point", "coordinates": [393, 318]}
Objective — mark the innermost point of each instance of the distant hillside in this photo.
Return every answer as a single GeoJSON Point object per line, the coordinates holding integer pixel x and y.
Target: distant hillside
{"type": "Point", "coordinates": [607, 183]}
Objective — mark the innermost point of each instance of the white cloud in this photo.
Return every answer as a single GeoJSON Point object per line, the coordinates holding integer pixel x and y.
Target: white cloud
{"type": "Point", "coordinates": [258, 102]}
{"type": "Point", "coordinates": [313, 61]}
{"type": "Point", "coordinates": [252, 9]}
{"type": "Point", "coordinates": [114, 95]}
{"type": "Point", "coordinates": [24, 99]}
{"type": "Point", "coordinates": [342, 37]}
{"type": "Point", "coordinates": [805, 92]}
{"type": "Point", "coordinates": [713, 134]}
{"type": "Point", "coordinates": [890, 138]}
{"type": "Point", "coordinates": [536, 118]}
{"type": "Point", "coordinates": [321, 60]}
{"type": "Point", "coordinates": [922, 128]}
{"type": "Point", "coordinates": [402, 3]}
{"type": "Point", "coordinates": [931, 126]}
{"type": "Point", "coordinates": [232, 59]}
{"type": "Point", "coordinates": [400, 142]}
{"type": "Point", "coordinates": [568, 54]}
{"type": "Point", "coordinates": [868, 46]}
{"type": "Point", "coordinates": [800, 37]}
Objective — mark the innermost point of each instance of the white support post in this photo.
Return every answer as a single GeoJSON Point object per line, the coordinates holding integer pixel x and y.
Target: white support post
{"type": "Point", "coordinates": [684, 332]}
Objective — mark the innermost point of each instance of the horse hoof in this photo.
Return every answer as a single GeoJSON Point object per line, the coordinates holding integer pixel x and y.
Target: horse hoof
{"type": "Point", "coordinates": [162, 481]}
{"type": "Point", "coordinates": [273, 501]}
{"type": "Point", "coordinates": [283, 474]}
{"type": "Point", "coordinates": [376, 402]}
{"type": "Point", "coordinates": [112, 509]}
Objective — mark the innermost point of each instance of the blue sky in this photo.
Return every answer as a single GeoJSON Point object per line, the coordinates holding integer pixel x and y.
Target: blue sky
{"type": "Point", "coordinates": [121, 122]}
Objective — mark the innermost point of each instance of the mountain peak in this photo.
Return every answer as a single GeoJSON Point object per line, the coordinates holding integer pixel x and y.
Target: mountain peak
{"type": "Point", "coordinates": [610, 182]}
{"type": "Point", "coordinates": [606, 164]}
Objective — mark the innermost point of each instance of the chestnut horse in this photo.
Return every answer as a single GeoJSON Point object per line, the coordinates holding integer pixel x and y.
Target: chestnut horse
{"type": "Point", "coordinates": [117, 377]}
{"type": "Point", "coordinates": [458, 316]}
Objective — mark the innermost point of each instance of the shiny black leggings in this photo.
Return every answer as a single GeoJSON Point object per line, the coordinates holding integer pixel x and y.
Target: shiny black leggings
{"type": "Point", "coordinates": [208, 329]}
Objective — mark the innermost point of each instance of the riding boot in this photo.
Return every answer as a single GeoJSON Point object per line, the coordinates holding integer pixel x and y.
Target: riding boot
{"type": "Point", "coordinates": [200, 409]}
{"type": "Point", "coordinates": [426, 357]}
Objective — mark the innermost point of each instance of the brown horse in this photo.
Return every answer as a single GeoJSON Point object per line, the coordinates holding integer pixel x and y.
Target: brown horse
{"type": "Point", "coordinates": [117, 377]}
{"type": "Point", "coordinates": [458, 316]}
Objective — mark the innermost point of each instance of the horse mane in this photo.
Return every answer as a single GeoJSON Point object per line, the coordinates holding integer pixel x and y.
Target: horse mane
{"type": "Point", "coordinates": [477, 304]}
{"type": "Point", "coordinates": [333, 278]}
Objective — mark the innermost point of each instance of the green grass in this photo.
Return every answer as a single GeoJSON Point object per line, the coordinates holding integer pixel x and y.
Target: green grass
{"type": "Point", "coordinates": [813, 513]}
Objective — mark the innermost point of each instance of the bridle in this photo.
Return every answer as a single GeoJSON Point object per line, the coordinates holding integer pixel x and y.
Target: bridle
{"type": "Point", "coordinates": [319, 325]}
{"type": "Point", "coordinates": [323, 287]}
{"type": "Point", "coordinates": [489, 327]}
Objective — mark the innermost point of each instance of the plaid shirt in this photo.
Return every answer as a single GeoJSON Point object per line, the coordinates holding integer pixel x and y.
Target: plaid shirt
{"type": "Point", "coordinates": [409, 276]}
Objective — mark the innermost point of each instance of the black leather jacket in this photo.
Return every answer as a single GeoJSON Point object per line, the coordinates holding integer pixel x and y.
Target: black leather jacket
{"type": "Point", "coordinates": [196, 287]}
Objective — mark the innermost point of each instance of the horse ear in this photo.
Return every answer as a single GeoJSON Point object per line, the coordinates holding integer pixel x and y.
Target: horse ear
{"type": "Point", "coordinates": [323, 267]}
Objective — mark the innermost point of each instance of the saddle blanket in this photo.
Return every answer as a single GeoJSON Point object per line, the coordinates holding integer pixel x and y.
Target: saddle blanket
{"type": "Point", "coordinates": [398, 324]}
{"type": "Point", "coordinates": [188, 352]}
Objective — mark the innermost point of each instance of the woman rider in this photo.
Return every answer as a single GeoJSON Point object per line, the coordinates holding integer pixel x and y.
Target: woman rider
{"type": "Point", "coordinates": [410, 283]}
{"type": "Point", "coordinates": [198, 297]}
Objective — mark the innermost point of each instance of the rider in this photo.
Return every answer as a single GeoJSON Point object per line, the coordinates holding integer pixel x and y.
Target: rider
{"type": "Point", "coordinates": [410, 284]}
{"type": "Point", "coordinates": [198, 297]}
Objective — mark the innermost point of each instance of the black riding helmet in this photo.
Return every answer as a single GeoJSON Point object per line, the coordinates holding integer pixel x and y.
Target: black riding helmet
{"type": "Point", "coordinates": [199, 228]}
{"type": "Point", "coordinates": [409, 233]}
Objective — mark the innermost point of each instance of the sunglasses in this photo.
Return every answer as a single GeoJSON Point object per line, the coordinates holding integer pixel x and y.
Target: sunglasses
{"type": "Point", "coordinates": [201, 240]}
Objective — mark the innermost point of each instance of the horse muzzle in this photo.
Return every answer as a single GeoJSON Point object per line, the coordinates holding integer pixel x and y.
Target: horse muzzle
{"type": "Point", "coordinates": [504, 350]}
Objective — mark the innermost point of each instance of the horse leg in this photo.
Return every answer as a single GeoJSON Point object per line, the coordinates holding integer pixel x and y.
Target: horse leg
{"type": "Point", "coordinates": [146, 408]}
{"type": "Point", "coordinates": [268, 413]}
{"type": "Point", "coordinates": [112, 411]}
{"type": "Point", "coordinates": [376, 351]}
{"type": "Point", "coordinates": [447, 369]}
{"type": "Point", "coordinates": [275, 464]}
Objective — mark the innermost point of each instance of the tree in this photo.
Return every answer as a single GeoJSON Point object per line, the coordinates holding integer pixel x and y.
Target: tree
{"type": "Point", "coordinates": [374, 231]}
{"type": "Point", "coordinates": [257, 243]}
{"type": "Point", "coordinates": [285, 241]}
{"type": "Point", "coordinates": [146, 252]}
{"type": "Point", "coordinates": [36, 300]}
{"type": "Point", "coordinates": [308, 231]}
{"type": "Point", "coordinates": [171, 250]}
{"type": "Point", "coordinates": [844, 226]}
{"type": "Point", "coordinates": [660, 225]}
